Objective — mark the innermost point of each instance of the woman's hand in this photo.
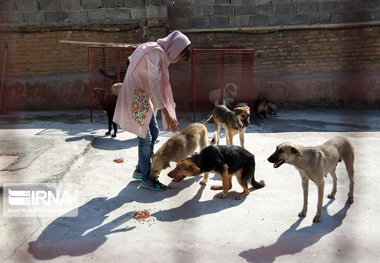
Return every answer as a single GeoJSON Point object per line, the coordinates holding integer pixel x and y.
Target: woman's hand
{"type": "Point", "coordinates": [172, 122]}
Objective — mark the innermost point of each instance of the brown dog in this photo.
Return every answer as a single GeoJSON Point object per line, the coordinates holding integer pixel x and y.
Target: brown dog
{"type": "Point", "coordinates": [178, 147]}
{"type": "Point", "coordinates": [233, 122]}
{"type": "Point", "coordinates": [272, 108]}
{"type": "Point", "coordinates": [262, 108]}
{"type": "Point", "coordinates": [314, 163]}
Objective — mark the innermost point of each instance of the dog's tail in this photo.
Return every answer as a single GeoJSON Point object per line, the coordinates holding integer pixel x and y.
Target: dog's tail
{"type": "Point", "coordinates": [208, 117]}
{"type": "Point", "coordinates": [257, 185]}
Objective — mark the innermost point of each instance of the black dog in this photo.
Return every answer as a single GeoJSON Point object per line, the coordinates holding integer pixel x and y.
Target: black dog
{"type": "Point", "coordinates": [108, 103]}
{"type": "Point", "coordinates": [113, 77]}
{"type": "Point", "coordinates": [226, 160]}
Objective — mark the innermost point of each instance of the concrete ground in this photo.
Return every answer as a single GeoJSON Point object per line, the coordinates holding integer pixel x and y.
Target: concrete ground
{"type": "Point", "coordinates": [189, 223]}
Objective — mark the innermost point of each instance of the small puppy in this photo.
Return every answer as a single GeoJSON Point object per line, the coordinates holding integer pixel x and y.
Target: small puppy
{"type": "Point", "coordinates": [226, 160]}
{"type": "Point", "coordinates": [230, 91]}
{"type": "Point", "coordinates": [313, 163]}
{"type": "Point", "coordinates": [178, 147]}
{"type": "Point", "coordinates": [108, 103]}
{"type": "Point", "coordinates": [233, 122]}
{"type": "Point", "coordinates": [272, 108]}
{"type": "Point", "coordinates": [262, 108]}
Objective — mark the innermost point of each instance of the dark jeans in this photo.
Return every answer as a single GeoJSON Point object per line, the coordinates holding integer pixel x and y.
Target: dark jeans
{"type": "Point", "coordinates": [145, 147]}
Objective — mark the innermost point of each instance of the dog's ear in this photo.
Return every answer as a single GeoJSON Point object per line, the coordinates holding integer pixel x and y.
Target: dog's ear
{"type": "Point", "coordinates": [195, 169]}
{"type": "Point", "coordinates": [237, 110]}
{"type": "Point", "coordinates": [166, 164]}
{"type": "Point", "coordinates": [294, 150]}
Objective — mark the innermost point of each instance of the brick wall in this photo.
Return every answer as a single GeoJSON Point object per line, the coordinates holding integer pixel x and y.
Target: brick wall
{"type": "Point", "coordinates": [306, 52]}
{"type": "Point", "coordinates": [42, 73]}
{"type": "Point", "coordinates": [36, 50]}
{"type": "Point", "coordinates": [53, 12]}
{"type": "Point", "coordinates": [327, 67]}
{"type": "Point", "coordinates": [261, 13]}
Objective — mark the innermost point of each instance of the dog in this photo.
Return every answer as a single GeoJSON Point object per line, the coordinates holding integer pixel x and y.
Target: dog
{"type": "Point", "coordinates": [233, 122]}
{"type": "Point", "coordinates": [113, 77]}
{"type": "Point", "coordinates": [108, 103]}
{"type": "Point", "coordinates": [226, 160]}
{"type": "Point", "coordinates": [313, 163]}
{"type": "Point", "coordinates": [115, 88]}
{"type": "Point", "coordinates": [272, 108]}
{"type": "Point", "coordinates": [179, 147]}
{"type": "Point", "coordinates": [262, 108]}
{"type": "Point", "coordinates": [230, 91]}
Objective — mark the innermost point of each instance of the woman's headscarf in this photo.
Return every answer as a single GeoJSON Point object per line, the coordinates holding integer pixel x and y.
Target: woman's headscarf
{"type": "Point", "coordinates": [173, 44]}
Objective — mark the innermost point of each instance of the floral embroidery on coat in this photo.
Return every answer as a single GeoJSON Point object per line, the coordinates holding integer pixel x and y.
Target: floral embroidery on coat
{"type": "Point", "coordinates": [139, 106]}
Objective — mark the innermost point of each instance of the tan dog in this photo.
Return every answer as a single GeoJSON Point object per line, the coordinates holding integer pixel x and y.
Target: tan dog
{"type": "Point", "coordinates": [116, 88]}
{"type": "Point", "coordinates": [316, 162]}
{"type": "Point", "coordinates": [233, 122]}
{"type": "Point", "coordinates": [230, 91]}
{"type": "Point", "coordinates": [179, 147]}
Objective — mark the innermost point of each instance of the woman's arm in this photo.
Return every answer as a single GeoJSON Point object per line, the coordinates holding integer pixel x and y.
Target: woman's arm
{"type": "Point", "coordinates": [154, 63]}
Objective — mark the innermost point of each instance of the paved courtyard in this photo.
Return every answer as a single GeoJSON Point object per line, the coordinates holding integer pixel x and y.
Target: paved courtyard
{"type": "Point", "coordinates": [189, 223]}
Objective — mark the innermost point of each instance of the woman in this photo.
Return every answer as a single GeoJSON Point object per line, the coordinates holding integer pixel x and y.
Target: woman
{"type": "Point", "coordinates": [146, 80]}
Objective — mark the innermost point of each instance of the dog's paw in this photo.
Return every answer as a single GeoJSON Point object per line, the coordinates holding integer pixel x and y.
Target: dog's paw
{"type": "Point", "coordinates": [216, 187]}
{"type": "Point", "coordinates": [203, 181]}
{"type": "Point", "coordinates": [113, 135]}
{"type": "Point", "coordinates": [350, 200]}
{"type": "Point", "coordinates": [240, 196]}
{"type": "Point", "coordinates": [317, 219]}
{"type": "Point", "coordinates": [331, 196]}
{"type": "Point", "coordinates": [302, 214]}
{"type": "Point", "coordinates": [108, 133]}
{"type": "Point", "coordinates": [221, 195]}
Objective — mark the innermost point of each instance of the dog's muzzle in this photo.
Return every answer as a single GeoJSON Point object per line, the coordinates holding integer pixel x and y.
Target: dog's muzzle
{"type": "Point", "coordinates": [276, 162]}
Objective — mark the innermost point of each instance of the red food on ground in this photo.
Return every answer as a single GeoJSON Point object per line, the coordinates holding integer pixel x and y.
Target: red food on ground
{"type": "Point", "coordinates": [141, 215]}
{"type": "Point", "coordinates": [120, 160]}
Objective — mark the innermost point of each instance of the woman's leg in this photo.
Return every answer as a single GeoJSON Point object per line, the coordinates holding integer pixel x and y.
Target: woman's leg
{"type": "Point", "coordinates": [145, 148]}
{"type": "Point", "coordinates": [143, 165]}
{"type": "Point", "coordinates": [154, 131]}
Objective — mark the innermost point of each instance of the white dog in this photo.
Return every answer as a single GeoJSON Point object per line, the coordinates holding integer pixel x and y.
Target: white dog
{"type": "Point", "coordinates": [230, 91]}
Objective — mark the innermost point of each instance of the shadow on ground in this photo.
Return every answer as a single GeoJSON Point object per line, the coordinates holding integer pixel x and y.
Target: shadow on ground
{"type": "Point", "coordinates": [294, 240]}
{"type": "Point", "coordinates": [84, 234]}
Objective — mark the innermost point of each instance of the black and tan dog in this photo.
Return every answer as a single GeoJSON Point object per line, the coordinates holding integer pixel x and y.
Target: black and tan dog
{"type": "Point", "coordinates": [108, 102]}
{"type": "Point", "coordinates": [233, 122]}
{"type": "Point", "coordinates": [226, 160]}
{"type": "Point", "coordinates": [314, 163]}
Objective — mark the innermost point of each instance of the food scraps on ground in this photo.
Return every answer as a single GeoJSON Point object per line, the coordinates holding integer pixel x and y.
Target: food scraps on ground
{"type": "Point", "coordinates": [144, 214]}
{"type": "Point", "coordinates": [119, 160]}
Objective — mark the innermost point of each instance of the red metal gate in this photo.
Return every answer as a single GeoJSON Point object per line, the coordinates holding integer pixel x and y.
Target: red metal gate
{"type": "Point", "coordinates": [106, 65]}
{"type": "Point", "coordinates": [215, 71]}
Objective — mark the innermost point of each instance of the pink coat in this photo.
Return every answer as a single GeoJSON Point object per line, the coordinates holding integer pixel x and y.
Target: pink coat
{"type": "Point", "coordinates": [134, 109]}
